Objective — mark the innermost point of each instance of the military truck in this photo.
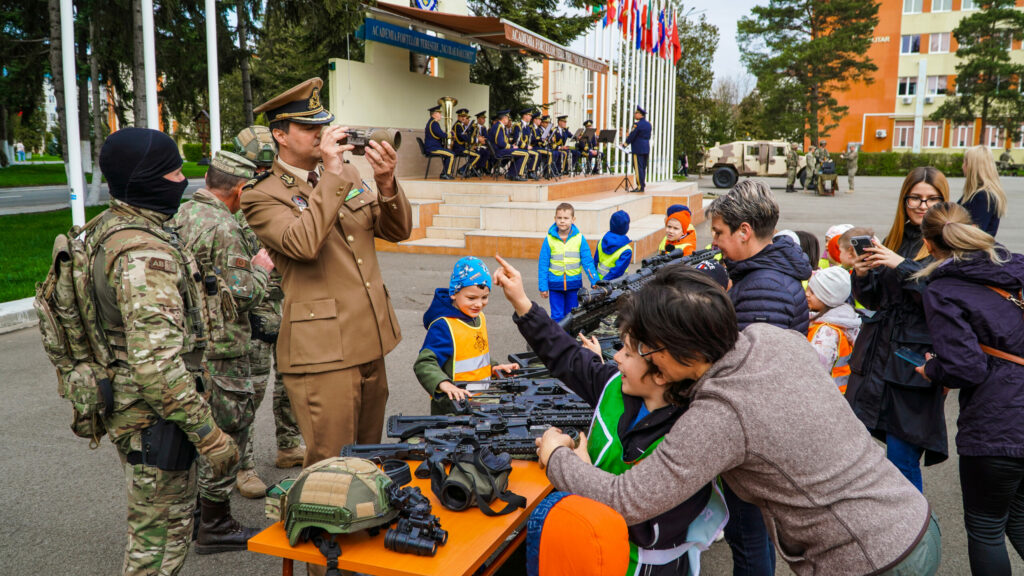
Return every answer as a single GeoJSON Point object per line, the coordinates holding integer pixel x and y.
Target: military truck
{"type": "Point", "coordinates": [727, 162]}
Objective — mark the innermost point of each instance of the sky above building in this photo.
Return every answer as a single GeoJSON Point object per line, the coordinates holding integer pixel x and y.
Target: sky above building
{"type": "Point", "coordinates": [724, 15]}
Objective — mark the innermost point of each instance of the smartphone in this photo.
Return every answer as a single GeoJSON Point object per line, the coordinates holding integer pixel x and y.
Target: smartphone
{"type": "Point", "coordinates": [860, 243]}
{"type": "Point", "coordinates": [910, 356]}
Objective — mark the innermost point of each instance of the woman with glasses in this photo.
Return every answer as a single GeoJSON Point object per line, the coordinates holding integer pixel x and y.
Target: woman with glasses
{"type": "Point", "coordinates": [983, 195]}
{"type": "Point", "coordinates": [895, 403]}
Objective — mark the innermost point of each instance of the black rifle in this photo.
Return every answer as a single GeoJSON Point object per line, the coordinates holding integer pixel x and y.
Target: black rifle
{"type": "Point", "coordinates": [486, 424]}
{"type": "Point", "coordinates": [530, 386]}
{"type": "Point", "coordinates": [601, 301]}
{"type": "Point", "coordinates": [443, 444]}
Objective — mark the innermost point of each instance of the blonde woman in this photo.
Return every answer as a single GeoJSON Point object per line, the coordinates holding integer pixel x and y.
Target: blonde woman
{"type": "Point", "coordinates": [983, 195]}
{"type": "Point", "coordinates": [978, 339]}
{"type": "Point", "coordinates": [895, 403]}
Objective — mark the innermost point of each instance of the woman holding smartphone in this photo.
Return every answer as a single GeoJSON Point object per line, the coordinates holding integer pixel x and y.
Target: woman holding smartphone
{"type": "Point", "coordinates": [973, 306]}
{"type": "Point", "coordinates": [895, 403]}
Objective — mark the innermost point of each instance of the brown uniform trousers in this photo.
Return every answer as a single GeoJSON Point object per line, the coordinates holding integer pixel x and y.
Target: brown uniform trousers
{"type": "Point", "coordinates": [337, 319]}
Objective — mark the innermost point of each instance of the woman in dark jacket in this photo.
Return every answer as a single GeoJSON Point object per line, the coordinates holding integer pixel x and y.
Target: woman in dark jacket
{"type": "Point", "coordinates": [894, 402]}
{"type": "Point", "coordinates": [965, 316]}
{"type": "Point", "coordinates": [983, 195]}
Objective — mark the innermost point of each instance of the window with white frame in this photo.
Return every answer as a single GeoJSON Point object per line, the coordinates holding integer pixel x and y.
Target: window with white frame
{"type": "Point", "coordinates": [964, 5]}
{"type": "Point", "coordinates": [902, 136]}
{"type": "Point", "coordinates": [913, 6]}
{"type": "Point", "coordinates": [932, 136]}
{"type": "Point", "coordinates": [994, 137]}
{"type": "Point", "coordinates": [935, 86]}
{"type": "Point", "coordinates": [938, 43]}
{"type": "Point", "coordinates": [942, 5]}
{"type": "Point", "coordinates": [910, 44]}
{"type": "Point", "coordinates": [907, 86]}
{"type": "Point", "coordinates": [963, 136]}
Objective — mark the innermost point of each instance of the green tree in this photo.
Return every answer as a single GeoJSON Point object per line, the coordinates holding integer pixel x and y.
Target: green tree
{"type": "Point", "coordinates": [695, 76]}
{"type": "Point", "coordinates": [23, 44]}
{"type": "Point", "coordinates": [506, 73]}
{"type": "Point", "coordinates": [987, 80]}
{"type": "Point", "coordinates": [810, 49]}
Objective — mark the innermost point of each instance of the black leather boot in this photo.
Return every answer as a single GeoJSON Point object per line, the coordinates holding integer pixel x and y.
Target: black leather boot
{"type": "Point", "coordinates": [218, 531]}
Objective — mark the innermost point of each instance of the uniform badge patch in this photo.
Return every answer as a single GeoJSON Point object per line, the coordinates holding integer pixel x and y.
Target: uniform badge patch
{"type": "Point", "coordinates": [300, 202]}
{"type": "Point", "coordinates": [240, 262]}
{"type": "Point", "coordinates": [162, 265]}
{"type": "Point", "coordinates": [353, 193]}
{"type": "Point", "coordinates": [288, 179]}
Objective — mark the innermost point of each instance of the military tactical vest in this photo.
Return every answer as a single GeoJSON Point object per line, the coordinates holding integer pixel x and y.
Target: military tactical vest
{"type": "Point", "coordinates": [79, 319]}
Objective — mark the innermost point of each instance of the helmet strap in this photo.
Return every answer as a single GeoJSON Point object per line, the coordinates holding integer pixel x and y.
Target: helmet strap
{"type": "Point", "coordinates": [331, 550]}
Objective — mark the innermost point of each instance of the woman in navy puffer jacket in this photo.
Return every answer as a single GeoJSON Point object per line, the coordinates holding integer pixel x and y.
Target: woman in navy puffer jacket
{"type": "Point", "coordinates": [978, 338]}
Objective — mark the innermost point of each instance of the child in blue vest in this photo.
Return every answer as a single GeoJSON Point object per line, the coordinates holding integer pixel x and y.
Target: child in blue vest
{"type": "Point", "coordinates": [631, 415]}
{"type": "Point", "coordinates": [564, 256]}
{"type": "Point", "coordinates": [614, 252]}
{"type": "Point", "coordinates": [456, 347]}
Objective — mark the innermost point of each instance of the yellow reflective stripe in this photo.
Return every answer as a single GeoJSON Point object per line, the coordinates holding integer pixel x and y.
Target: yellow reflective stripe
{"type": "Point", "coordinates": [607, 261]}
{"type": "Point", "coordinates": [565, 256]}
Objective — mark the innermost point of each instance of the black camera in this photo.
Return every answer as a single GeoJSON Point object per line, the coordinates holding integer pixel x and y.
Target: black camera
{"type": "Point", "coordinates": [361, 138]}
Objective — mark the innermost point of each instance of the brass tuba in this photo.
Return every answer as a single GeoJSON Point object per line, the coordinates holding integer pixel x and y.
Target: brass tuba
{"type": "Point", "coordinates": [447, 104]}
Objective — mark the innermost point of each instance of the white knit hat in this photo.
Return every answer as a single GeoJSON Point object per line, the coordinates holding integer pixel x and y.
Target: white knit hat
{"type": "Point", "coordinates": [831, 285]}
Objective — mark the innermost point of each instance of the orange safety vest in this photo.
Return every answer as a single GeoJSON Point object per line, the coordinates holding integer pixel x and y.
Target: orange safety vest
{"type": "Point", "coordinates": [841, 367]}
{"type": "Point", "coordinates": [472, 358]}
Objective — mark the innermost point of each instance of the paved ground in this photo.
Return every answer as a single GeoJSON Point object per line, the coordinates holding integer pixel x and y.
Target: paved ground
{"type": "Point", "coordinates": [61, 505]}
{"type": "Point", "coordinates": [45, 198]}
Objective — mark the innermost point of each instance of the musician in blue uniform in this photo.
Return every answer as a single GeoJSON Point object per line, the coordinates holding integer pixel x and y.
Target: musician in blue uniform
{"type": "Point", "coordinates": [639, 140]}
{"type": "Point", "coordinates": [479, 140]}
{"type": "Point", "coordinates": [587, 149]}
{"type": "Point", "coordinates": [519, 135]}
{"type": "Point", "coordinates": [501, 142]}
{"type": "Point", "coordinates": [559, 143]}
{"type": "Point", "coordinates": [434, 143]}
{"type": "Point", "coordinates": [462, 142]}
{"type": "Point", "coordinates": [540, 146]}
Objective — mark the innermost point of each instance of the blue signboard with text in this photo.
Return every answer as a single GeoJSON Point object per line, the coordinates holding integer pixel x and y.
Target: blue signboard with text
{"type": "Point", "coordinates": [418, 42]}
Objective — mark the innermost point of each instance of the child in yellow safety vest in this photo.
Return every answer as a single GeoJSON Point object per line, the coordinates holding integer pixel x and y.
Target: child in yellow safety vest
{"type": "Point", "coordinates": [456, 347]}
{"type": "Point", "coordinates": [834, 323]}
{"type": "Point", "coordinates": [679, 231]}
{"type": "Point", "coordinates": [614, 251]}
{"type": "Point", "coordinates": [564, 257]}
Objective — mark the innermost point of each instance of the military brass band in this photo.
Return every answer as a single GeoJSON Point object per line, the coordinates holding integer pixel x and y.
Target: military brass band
{"type": "Point", "coordinates": [528, 148]}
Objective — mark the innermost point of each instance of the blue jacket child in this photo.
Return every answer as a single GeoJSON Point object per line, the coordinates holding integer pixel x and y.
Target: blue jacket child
{"type": "Point", "coordinates": [613, 241]}
{"type": "Point", "coordinates": [562, 262]}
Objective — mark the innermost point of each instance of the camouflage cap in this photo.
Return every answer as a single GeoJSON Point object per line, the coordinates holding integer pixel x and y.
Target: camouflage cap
{"type": "Point", "coordinates": [257, 144]}
{"type": "Point", "coordinates": [233, 164]}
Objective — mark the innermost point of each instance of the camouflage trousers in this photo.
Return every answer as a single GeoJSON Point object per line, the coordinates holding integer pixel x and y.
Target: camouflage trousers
{"type": "Point", "coordinates": [790, 176]}
{"type": "Point", "coordinates": [160, 505]}
{"type": "Point", "coordinates": [286, 429]}
{"type": "Point", "coordinates": [851, 172]}
{"type": "Point", "coordinates": [233, 404]}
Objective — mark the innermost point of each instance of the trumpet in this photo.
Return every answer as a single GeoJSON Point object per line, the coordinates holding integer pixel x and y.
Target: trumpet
{"type": "Point", "coordinates": [360, 138]}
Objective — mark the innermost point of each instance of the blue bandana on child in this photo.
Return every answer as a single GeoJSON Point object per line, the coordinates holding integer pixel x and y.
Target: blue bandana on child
{"type": "Point", "coordinates": [468, 271]}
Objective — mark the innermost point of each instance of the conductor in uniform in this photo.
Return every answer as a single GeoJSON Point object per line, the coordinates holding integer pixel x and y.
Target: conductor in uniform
{"type": "Point", "coordinates": [434, 142]}
{"type": "Point", "coordinates": [639, 140]}
{"type": "Point", "coordinates": [318, 221]}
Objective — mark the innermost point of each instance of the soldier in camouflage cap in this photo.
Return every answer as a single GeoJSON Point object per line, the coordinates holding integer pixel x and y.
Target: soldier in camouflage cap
{"type": "Point", "coordinates": [257, 144]}
{"type": "Point", "coordinates": [235, 281]}
{"type": "Point", "coordinates": [150, 310]}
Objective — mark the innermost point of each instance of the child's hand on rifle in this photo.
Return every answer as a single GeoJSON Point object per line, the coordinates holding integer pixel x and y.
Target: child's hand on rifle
{"type": "Point", "coordinates": [455, 394]}
{"type": "Point", "coordinates": [504, 370]}
{"type": "Point", "coordinates": [511, 282]}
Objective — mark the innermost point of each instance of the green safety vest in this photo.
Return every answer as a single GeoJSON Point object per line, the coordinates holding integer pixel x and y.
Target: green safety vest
{"type": "Point", "coordinates": [565, 256]}
{"type": "Point", "coordinates": [605, 262]}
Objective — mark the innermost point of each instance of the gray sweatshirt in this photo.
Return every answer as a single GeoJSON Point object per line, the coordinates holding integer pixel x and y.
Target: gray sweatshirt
{"type": "Point", "coordinates": [771, 422]}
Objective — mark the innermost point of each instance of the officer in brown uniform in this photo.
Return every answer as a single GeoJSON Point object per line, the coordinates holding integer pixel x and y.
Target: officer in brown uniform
{"type": "Point", "coordinates": [318, 221]}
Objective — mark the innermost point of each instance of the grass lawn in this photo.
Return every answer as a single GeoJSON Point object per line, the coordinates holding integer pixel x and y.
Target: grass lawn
{"type": "Point", "coordinates": [42, 158]}
{"type": "Point", "coordinates": [53, 174]}
{"type": "Point", "coordinates": [27, 243]}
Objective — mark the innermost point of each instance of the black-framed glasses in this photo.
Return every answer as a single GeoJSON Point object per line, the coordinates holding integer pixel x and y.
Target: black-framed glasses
{"type": "Point", "coordinates": [640, 352]}
{"type": "Point", "coordinates": [916, 201]}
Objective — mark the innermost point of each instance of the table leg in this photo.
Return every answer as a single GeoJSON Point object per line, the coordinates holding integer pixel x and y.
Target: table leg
{"type": "Point", "coordinates": [287, 567]}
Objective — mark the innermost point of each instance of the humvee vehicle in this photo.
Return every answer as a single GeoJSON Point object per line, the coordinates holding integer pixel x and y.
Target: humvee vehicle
{"type": "Point", "coordinates": [727, 162]}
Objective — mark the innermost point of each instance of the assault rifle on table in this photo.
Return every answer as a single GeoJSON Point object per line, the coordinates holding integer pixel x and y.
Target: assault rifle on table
{"type": "Point", "coordinates": [600, 301]}
{"type": "Point", "coordinates": [530, 386]}
{"type": "Point", "coordinates": [485, 425]}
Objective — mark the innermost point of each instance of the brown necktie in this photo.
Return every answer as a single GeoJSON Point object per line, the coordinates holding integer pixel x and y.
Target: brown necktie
{"type": "Point", "coordinates": [313, 178]}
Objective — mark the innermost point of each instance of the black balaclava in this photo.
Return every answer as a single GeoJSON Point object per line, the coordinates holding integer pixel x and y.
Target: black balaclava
{"type": "Point", "coordinates": [134, 161]}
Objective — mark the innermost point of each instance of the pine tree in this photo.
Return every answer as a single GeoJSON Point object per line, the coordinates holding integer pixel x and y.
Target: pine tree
{"type": "Point", "coordinates": [695, 75]}
{"type": "Point", "coordinates": [810, 50]}
{"type": "Point", "coordinates": [988, 82]}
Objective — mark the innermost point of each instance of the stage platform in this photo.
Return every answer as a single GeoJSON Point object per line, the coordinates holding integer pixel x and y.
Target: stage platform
{"type": "Point", "coordinates": [482, 216]}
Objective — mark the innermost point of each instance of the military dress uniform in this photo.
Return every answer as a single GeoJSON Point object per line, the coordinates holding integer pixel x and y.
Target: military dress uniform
{"type": "Point", "coordinates": [639, 140]}
{"type": "Point", "coordinates": [462, 141]}
{"type": "Point", "coordinates": [503, 146]}
{"type": "Point", "coordinates": [540, 146]}
{"type": "Point", "coordinates": [480, 132]}
{"type": "Point", "coordinates": [434, 144]}
{"type": "Point", "coordinates": [337, 322]}
{"type": "Point", "coordinates": [587, 147]}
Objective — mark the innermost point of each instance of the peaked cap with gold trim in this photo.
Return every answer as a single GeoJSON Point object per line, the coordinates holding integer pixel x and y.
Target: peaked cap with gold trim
{"type": "Point", "coordinates": [300, 104]}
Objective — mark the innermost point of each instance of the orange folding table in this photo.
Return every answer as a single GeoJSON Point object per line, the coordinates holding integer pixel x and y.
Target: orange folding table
{"type": "Point", "coordinates": [473, 538]}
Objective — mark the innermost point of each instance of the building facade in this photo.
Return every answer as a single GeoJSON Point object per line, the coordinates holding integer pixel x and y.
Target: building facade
{"type": "Point", "coordinates": [915, 51]}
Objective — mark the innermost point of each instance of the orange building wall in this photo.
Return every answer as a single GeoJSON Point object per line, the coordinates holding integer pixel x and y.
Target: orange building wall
{"type": "Point", "coordinates": [880, 96]}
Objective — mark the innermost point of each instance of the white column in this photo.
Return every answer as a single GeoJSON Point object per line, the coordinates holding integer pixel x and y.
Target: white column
{"type": "Point", "coordinates": [212, 77]}
{"type": "Point", "coordinates": [76, 179]}
{"type": "Point", "coordinates": [149, 61]}
{"type": "Point", "coordinates": [922, 88]}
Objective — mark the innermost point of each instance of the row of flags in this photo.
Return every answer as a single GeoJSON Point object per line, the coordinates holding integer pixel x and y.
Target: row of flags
{"type": "Point", "coordinates": [660, 37]}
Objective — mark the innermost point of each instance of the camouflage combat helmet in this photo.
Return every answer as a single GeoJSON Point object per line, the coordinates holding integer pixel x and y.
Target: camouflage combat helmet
{"type": "Point", "coordinates": [257, 144]}
{"type": "Point", "coordinates": [338, 495]}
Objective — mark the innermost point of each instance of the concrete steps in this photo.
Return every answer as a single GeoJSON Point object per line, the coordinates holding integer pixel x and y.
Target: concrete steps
{"type": "Point", "coordinates": [445, 221]}
{"type": "Point", "coordinates": [448, 233]}
{"type": "Point", "coordinates": [459, 210]}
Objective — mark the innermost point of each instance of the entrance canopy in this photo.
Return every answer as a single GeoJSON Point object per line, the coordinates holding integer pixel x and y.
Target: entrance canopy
{"type": "Point", "coordinates": [494, 33]}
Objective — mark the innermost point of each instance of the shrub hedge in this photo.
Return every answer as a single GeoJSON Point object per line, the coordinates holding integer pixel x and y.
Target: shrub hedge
{"type": "Point", "coordinates": [193, 151]}
{"type": "Point", "coordinates": [900, 163]}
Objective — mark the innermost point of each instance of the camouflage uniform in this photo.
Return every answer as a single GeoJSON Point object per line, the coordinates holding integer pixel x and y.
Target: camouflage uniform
{"type": "Point", "coordinates": [213, 235]}
{"type": "Point", "coordinates": [151, 329]}
{"type": "Point", "coordinates": [811, 179]}
{"type": "Point", "coordinates": [269, 314]}
{"type": "Point", "coordinates": [851, 166]}
{"type": "Point", "coordinates": [792, 163]}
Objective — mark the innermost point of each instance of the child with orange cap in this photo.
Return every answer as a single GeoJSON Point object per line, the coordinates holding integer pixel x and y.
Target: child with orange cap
{"type": "Point", "coordinates": [832, 249]}
{"type": "Point", "coordinates": [679, 231]}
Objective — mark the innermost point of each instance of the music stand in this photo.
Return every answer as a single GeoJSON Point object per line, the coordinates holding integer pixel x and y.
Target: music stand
{"type": "Point", "coordinates": [608, 137]}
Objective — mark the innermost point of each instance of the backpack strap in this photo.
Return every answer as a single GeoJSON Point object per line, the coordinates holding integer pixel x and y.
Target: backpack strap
{"type": "Point", "coordinates": [1019, 303]}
